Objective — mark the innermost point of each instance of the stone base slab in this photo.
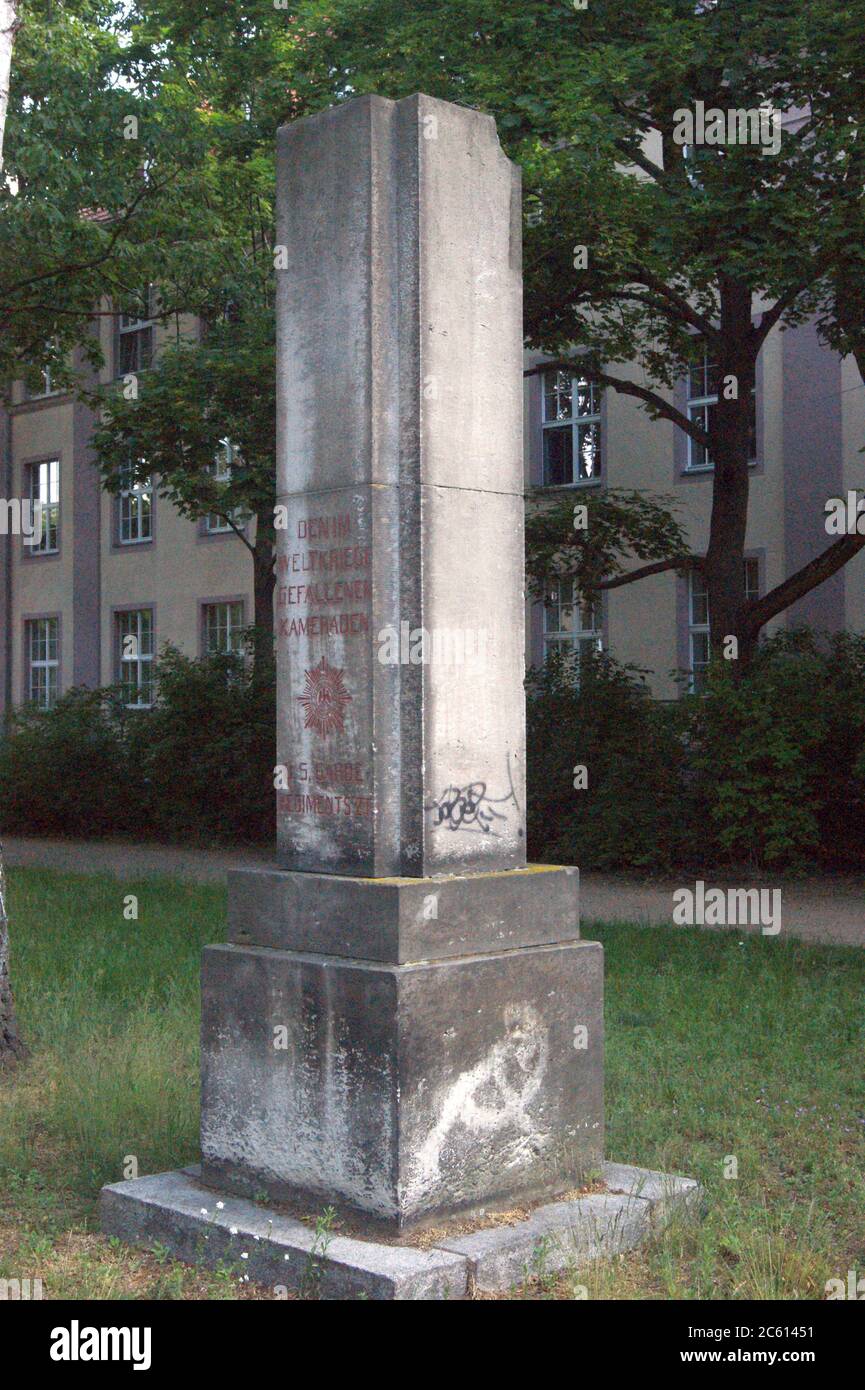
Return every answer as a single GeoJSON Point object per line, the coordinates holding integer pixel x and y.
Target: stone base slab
{"type": "Point", "coordinates": [403, 919]}
{"type": "Point", "coordinates": [198, 1225]}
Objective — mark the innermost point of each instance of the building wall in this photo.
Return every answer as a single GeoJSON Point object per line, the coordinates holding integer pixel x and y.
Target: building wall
{"type": "Point", "coordinates": [810, 415]}
{"type": "Point", "coordinates": [93, 575]}
{"type": "Point", "coordinates": [810, 428]}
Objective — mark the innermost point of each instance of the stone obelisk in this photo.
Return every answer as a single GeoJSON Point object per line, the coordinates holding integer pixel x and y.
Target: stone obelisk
{"type": "Point", "coordinates": [404, 1023]}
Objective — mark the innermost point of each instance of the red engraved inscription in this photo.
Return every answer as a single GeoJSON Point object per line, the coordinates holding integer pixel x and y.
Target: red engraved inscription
{"type": "Point", "coordinates": [324, 699]}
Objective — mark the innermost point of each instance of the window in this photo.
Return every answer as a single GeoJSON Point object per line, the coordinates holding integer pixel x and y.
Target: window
{"type": "Point", "coordinates": [752, 580]}
{"type": "Point", "coordinates": [135, 508]}
{"type": "Point", "coordinates": [223, 627]}
{"type": "Point", "coordinates": [570, 623]}
{"type": "Point", "coordinates": [704, 383]}
{"type": "Point", "coordinates": [571, 430]}
{"type": "Point", "coordinates": [135, 336]}
{"type": "Point", "coordinates": [43, 660]}
{"type": "Point", "coordinates": [134, 641]}
{"type": "Point", "coordinates": [698, 620]}
{"type": "Point", "coordinates": [43, 487]}
{"type": "Point", "coordinates": [698, 625]}
{"type": "Point", "coordinates": [46, 388]}
{"type": "Point", "coordinates": [221, 470]}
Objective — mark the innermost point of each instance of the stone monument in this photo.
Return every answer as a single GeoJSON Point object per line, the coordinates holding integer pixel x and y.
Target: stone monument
{"type": "Point", "coordinates": [404, 1025]}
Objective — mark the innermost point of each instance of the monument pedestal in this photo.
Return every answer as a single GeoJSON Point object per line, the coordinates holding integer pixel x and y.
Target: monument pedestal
{"type": "Point", "coordinates": [446, 1076]}
{"type": "Point", "coordinates": [404, 1024]}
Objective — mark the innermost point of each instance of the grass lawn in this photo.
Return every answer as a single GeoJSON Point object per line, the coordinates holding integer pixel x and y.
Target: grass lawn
{"type": "Point", "coordinates": [718, 1048]}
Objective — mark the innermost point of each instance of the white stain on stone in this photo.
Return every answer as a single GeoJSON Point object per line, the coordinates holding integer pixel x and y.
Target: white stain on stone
{"type": "Point", "coordinates": [492, 1098]}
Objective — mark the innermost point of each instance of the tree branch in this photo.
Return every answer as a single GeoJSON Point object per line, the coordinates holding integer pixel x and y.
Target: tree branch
{"type": "Point", "coordinates": [778, 309]}
{"type": "Point", "coordinates": [656, 403]}
{"type": "Point", "coordinates": [77, 267]}
{"type": "Point", "coordinates": [679, 302]}
{"type": "Point", "coordinates": [684, 562]}
{"type": "Point", "coordinates": [834, 558]}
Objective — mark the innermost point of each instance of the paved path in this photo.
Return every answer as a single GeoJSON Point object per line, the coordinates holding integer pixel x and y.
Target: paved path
{"type": "Point", "coordinates": [827, 910]}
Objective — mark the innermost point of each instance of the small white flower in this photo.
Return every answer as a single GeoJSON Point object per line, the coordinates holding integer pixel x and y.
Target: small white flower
{"type": "Point", "coordinates": [232, 1230]}
{"type": "Point", "coordinates": [204, 1211]}
{"type": "Point", "coordinates": [244, 1256]}
{"type": "Point", "coordinates": [220, 1206]}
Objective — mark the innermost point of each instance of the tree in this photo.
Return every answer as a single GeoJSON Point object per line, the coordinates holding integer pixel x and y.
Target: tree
{"type": "Point", "coordinates": [90, 164]}
{"type": "Point", "coordinates": [202, 399]}
{"type": "Point", "coordinates": [238, 66]}
{"type": "Point", "coordinates": [94, 159]}
{"type": "Point", "coordinates": [11, 1045]}
{"type": "Point", "coordinates": [8, 29]}
{"type": "Point", "coordinates": [647, 249]}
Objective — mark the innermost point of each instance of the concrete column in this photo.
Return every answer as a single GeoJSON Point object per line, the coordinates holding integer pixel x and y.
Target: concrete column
{"type": "Point", "coordinates": [400, 594]}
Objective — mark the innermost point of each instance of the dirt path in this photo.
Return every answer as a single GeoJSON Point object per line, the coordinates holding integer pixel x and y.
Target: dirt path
{"type": "Point", "coordinates": [826, 910]}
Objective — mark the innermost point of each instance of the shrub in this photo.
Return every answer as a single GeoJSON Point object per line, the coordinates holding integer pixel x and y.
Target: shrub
{"type": "Point", "coordinates": [776, 753]}
{"type": "Point", "coordinates": [210, 750]}
{"type": "Point", "coordinates": [635, 808]}
{"type": "Point", "coordinates": [197, 767]}
{"type": "Point", "coordinates": [61, 769]}
{"type": "Point", "coordinates": [766, 771]}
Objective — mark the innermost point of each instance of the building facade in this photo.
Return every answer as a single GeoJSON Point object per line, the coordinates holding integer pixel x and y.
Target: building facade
{"type": "Point", "coordinates": [113, 578]}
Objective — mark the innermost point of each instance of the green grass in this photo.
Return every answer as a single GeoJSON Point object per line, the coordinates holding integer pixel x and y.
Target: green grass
{"type": "Point", "coordinates": [717, 1048]}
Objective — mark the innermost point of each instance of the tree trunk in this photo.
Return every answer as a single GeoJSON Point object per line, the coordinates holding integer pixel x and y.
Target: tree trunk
{"type": "Point", "coordinates": [8, 30]}
{"type": "Point", "coordinates": [730, 436]}
{"type": "Point", "coordinates": [11, 1047]}
{"type": "Point", "coordinates": [264, 582]}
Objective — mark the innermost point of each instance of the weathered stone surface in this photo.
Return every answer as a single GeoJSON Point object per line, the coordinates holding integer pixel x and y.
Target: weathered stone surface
{"type": "Point", "coordinates": [196, 1223]}
{"type": "Point", "coordinates": [399, 461]}
{"type": "Point", "coordinates": [403, 1092]}
{"type": "Point", "coordinates": [563, 1235]}
{"type": "Point", "coordinates": [667, 1192]}
{"type": "Point", "coordinates": [553, 1238]}
{"type": "Point", "coordinates": [403, 919]}
{"type": "Point", "coordinates": [175, 1210]}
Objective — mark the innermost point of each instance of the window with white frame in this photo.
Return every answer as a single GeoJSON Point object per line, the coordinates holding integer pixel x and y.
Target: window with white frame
{"type": "Point", "coordinates": [134, 648]}
{"type": "Point", "coordinates": [704, 384]}
{"type": "Point", "coordinates": [46, 387]}
{"type": "Point", "coordinates": [571, 430]}
{"type": "Point", "coordinates": [698, 630]}
{"type": "Point", "coordinates": [43, 660]}
{"type": "Point", "coordinates": [698, 619]}
{"type": "Point", "coordinates": [223, 627]}
{"type": "Point", "coordinates": [134, 508]}
{"type": "Point", "coordinates": [135, 335]}
{"type": "Point", "coordinates": [221, 471]}
{"type": "Point", "coordinates": [570, 623]}
{"type": "Point", "coordinates": [43, 489]}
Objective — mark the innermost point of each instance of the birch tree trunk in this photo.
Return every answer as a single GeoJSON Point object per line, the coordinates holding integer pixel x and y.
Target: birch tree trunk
{"type": "Point", "coordinates": [11, 1046]}
{"type": "Point", "coordinates": [8, 30]}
